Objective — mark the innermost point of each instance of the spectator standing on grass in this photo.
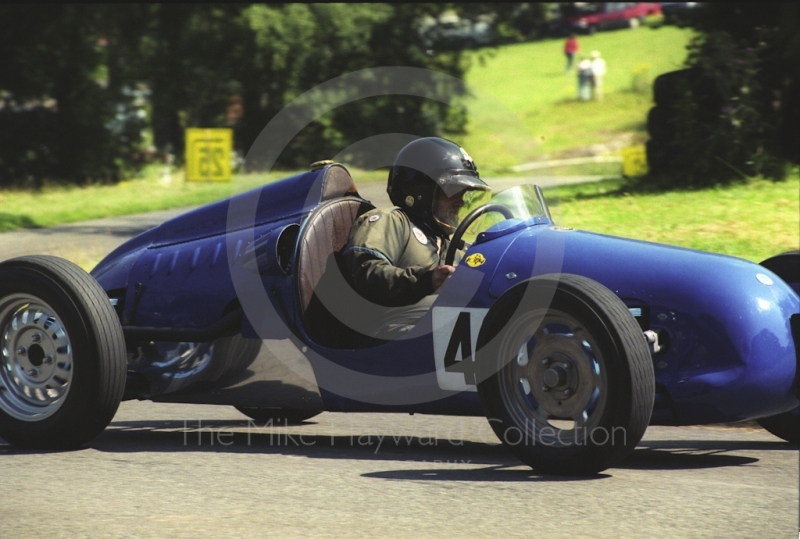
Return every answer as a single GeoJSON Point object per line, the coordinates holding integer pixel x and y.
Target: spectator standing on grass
{"type": "Point", "coordinates": [598, 73]}
{"type": "Point", "coordinates": [571, 46]}
{"type": "Point", "coordinates": [584, 79]}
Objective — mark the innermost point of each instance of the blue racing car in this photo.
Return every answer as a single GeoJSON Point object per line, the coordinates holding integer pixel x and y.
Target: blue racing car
{"type": "Point", "coordinates": [571, 343]}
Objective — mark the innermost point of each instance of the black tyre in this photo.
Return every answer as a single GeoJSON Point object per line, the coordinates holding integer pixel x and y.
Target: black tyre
{"type": "Point", "coordinates": [570, 387]}
{"type": "Point", "coordinates": [787, 425]}
{"type": "Point", "coordinates": [241, 353]}
{"type": "Point", "coordinates": [659, 155]}
{"type": "Point", "coordinates": [667, 87]}
{"type": "Point", "coordinates": [62, 354]}
{"type": "Point", "coordinates": [659, 125]}
{"type": "Point", "coordinates": [786, 266]}
{"type": "Point", "coordinates": [278, 416]}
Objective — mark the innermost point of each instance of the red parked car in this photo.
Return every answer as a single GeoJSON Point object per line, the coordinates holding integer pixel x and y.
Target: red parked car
{"type": "Point", "coordinates": [588, 17]}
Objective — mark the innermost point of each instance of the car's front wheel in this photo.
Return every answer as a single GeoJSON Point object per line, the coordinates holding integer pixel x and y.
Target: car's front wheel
{"type": "Point", "coordinates": [62, 354]}
{"type": "Point", "coordinates": [570, 387]}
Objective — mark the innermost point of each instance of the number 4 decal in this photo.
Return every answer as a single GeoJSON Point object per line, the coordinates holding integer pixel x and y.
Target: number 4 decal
{"type": "Point", "coordinates": [455, 335]}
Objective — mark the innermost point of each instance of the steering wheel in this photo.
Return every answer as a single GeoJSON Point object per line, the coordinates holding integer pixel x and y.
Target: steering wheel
{"type": "Point", "coordinates": [457, 243]}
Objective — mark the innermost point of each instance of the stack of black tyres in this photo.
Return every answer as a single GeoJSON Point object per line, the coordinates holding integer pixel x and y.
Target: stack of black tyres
{"type": "Point", "coordinates": [668, 90]}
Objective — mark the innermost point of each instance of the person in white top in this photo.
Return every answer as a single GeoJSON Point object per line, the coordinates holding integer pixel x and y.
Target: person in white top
{"type": "Point", "coordinates": [598, 73]}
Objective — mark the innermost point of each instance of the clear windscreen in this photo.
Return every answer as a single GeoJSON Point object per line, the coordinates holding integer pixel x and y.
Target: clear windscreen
{"type": "Point", "coordinates": [523, 202]}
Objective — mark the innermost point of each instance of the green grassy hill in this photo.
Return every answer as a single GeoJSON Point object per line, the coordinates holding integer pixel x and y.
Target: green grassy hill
{"type": "Point", "coordinates": [542, 115]}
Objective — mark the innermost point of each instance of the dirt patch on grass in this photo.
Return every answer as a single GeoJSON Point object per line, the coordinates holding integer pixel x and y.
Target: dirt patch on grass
{"type": "Point", "coordinates": [612, 145]}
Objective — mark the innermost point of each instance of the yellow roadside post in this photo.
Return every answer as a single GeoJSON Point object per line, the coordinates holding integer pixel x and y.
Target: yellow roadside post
{"type": "Point", "coordinates": [208, 154]}
{"type": "Point", "coordinates": [634, 161]}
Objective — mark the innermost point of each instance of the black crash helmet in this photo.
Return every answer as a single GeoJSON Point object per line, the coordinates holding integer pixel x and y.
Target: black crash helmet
{"type": "Point", "coordinates": [422, 166]}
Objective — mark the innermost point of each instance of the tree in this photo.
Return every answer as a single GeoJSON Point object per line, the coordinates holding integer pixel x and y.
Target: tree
{"type": "Point", "coordinates": [57, 97]}
{"type": "Point", "coordinates": [200, 59]}
{"type": "Point", "coordinates": [201, 65]}
{"type": "Point", "coordinates": [300, 46]}
{"type": "Point", "coordinates": [514, 21]}
{"type": "Point", "coordinates": [735, 112]}
{"type": "Point", "coordinates": [773, 30]}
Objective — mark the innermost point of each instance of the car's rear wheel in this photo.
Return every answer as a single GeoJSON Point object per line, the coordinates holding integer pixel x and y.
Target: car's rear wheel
{"type": "Point", "coordinates": [787, 425]}
{"type": "Point", "coordinates": [571, 385]}
{"type": "Point", "coordinates": [62, 354]}
{"type": "Point", "coordinates": [278, 416]}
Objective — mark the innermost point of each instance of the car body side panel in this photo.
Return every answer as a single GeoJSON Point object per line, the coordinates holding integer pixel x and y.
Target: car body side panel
{"type": "Point", "coordinates": [729, 349]}
{"type": "Point", "coordinates": [398, 376]}
{"type": "Point", "coordinates": [179, 275]}
{"type": "Point", "coordinates": [276, 201]}
{"type": "Point", "coordinates": [730, 353]}
{"type": "Point", "coordinates": [279, 376]}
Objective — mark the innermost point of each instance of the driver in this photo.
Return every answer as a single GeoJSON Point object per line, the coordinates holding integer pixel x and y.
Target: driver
{"type": "Point", "coordinates": [395, 256]}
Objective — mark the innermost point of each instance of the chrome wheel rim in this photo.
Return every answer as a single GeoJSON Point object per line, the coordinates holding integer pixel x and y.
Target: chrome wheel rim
{"type": "Point", "coordinates": [555, 385]}
{"type": "Point", "coordinates": [36, 365]}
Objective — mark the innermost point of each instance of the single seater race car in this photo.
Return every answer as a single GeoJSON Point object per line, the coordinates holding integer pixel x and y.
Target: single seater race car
{"type": "Point", "coordinates": [571, 343]}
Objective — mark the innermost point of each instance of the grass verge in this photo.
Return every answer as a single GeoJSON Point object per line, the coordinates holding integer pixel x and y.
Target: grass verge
{"type": "Point", "coordinates": [753, 221]}
{"type": "Point", "coordinates": [159, 188]}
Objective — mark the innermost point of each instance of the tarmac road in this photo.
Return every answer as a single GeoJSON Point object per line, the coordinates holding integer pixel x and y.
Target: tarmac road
{"type": "Point", "coordinates": [170, 470]}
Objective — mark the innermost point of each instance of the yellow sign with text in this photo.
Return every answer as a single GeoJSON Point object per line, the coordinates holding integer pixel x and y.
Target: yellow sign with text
{"type": "Point", "coordinates": [208, 154]}
{"type": "Point", "coordinates": [634, 161]}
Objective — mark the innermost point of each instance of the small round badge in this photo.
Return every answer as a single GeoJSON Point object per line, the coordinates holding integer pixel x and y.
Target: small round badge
{"type": "Point", "coordinates": [409, 201]}
{"type": "Point", "coordinates": [475, 260]}
{"type": "Point", "coordinates": [420, 235]}
{"type": "Point", "coordinates": [373, 218]}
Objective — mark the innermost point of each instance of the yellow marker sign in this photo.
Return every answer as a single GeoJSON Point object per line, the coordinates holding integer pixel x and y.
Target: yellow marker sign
{"type": "Point", "coordinates": [634, 161]}
{"type": "Point", "coordinates": [475, 260]}
{"type": "Point", "coordinates": [208, 154]}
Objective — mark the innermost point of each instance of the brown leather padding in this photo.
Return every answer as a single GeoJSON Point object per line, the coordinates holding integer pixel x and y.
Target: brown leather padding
{"type": "Point", "coordinates": [337, 182]}
{"type": "Point", "coordinates": [325, 233]}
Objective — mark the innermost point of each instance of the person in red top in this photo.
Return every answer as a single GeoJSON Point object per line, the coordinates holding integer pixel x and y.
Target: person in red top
{"type": "Point", "coordinates": [571, 46]}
